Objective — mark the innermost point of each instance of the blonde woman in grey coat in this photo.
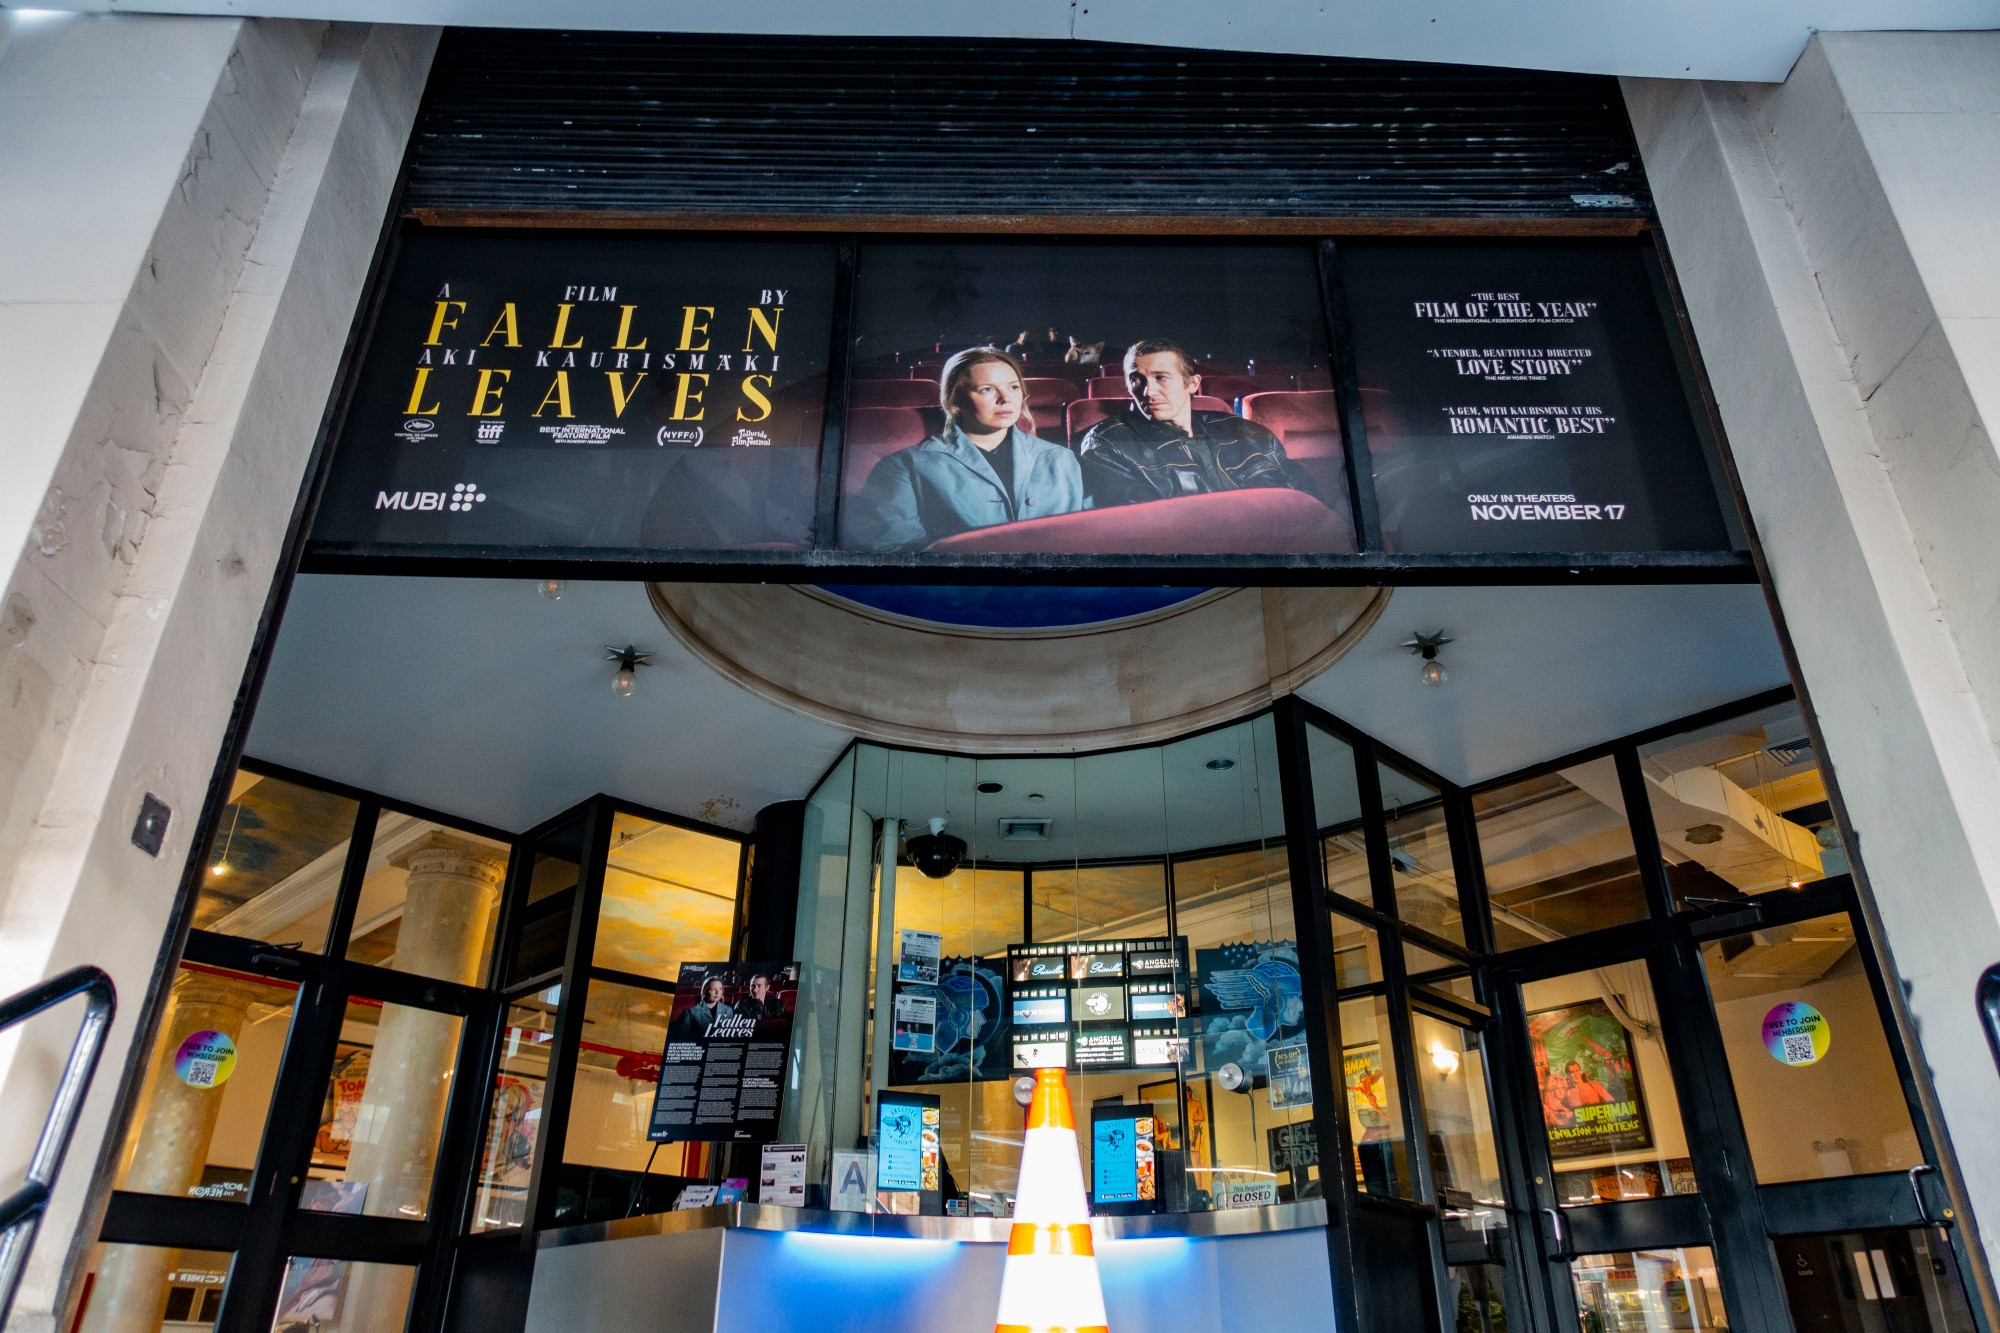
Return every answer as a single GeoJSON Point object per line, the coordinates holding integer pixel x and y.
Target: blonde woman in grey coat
{"type": "Point", "coordinates": [984, 468]}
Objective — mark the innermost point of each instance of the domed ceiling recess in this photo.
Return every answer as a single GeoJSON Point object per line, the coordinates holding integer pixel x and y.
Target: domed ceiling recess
{"type": "Point", "coordinates": [1017, 670]}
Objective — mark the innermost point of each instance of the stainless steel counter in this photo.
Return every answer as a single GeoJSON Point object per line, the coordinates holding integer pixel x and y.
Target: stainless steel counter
{"type": "Point", "coordinates": [987, 1230]}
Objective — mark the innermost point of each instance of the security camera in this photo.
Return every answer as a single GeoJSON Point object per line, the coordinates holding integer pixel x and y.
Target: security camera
{"type": "Point", "coordinates": [935, 854]}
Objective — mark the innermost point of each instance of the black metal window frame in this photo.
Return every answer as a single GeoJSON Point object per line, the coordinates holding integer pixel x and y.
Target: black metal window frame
{"type": "Point", "coordinates": [267, 1229]}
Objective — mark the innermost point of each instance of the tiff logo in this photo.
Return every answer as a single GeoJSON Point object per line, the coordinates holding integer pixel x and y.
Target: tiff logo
{"type": "Point", "coordinates": [490, 431]}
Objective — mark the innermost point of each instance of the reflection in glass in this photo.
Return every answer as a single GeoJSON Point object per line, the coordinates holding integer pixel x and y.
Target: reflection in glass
{"type": "Point", "coordinates": [1742, 808]}
{"type": "Point", "coordinates": [146, 1289]}
{"type": "Point", "coordinates": [208, 1090]}
{"type": "Point", "coordinates": [1558, 857]}
{"type": "Point", "coordinates": [669, 898]}
{"type": "Point", "coordinates": [379, 1126]}
{"type": "Point", "coordinates": [609, 1168]}
{"type": "Point", "coordinates": [1374, 1099]}
{"type": "Point", "coordinates": [1808, 1056]}
{"type": "Point", "coordinates": [1607, 1095]}
{"type": "Point", "coordinates": [343, 1296]}
{"type": "Point", "coordinates": [1891, 1279]}
{"type": "Point", "coordinates": [1478, 1302]}
{"type": "Point", "coordinates": [1357, 952]}
{"type": "Point", "coordinates": [514, 1116]}
{"type": "Point", "coordinates": [430, 901]}
{"type": "Point", "coordinates": [1337, 809]}
{"type": "Point", "coordinates": [1648, 1291]}
{"type": "Point", "coordinates": [274, 869]}
{"type": "Point", "coordinates": [1451, 1081]}
{"type": "Point", "coordinates": [1420, 856]}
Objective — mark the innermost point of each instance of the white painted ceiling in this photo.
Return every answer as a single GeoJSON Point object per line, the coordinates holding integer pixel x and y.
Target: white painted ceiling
{"type": "Point", "coordinates": [1705, 39]}
{"type": "Point", "coordinates": [480, 698]}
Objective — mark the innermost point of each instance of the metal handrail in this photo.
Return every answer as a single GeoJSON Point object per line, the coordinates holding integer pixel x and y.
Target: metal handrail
{"type": "Point", "coordinates": [1989, 1008]}
{"type": "Point", "coordinates": [21, 1212]}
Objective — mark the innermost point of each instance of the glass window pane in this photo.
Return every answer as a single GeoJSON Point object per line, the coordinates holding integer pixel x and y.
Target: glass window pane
{"type": "Point", "coordinates": [209, 1089]}
{"type": "Point", "coordinates": [514, 1117]}
{"type": "Point", "coordinates": [147, 1288]}
{"type": "Point", "coordinates": [343, 1296]}
{"type": "Point", "coordinates": [1451, 1080]}
{"type": "Point", "coordinates": [1357, 952]}
{"type": "Point", "coordinates": [1374, 1099]}
{"type": "Point", "coordinates": [1742, 808]}
{"type": "Point", "coordinates": [1478, 1298]}
{"type": "Point", "coordinates": [430, 901]}
{"type": "Point", "coordinates": [385, 1101]}
{"type": "Point", "coordinates": [605, 1152]}
{"type": "Point", "coordinates": [1811, 1064]}
{"type": "Point", "coordinates": [1420, 856]}
{"type": "Point", "coordinates": [1083, 902]}
{"type": "Point", "coordinates": [1649, 1291]}
{"type": "Point", "coordinates": [274, 866]}
{"type": "Point", "coordinates": [1557, 852]}
{"type": "Point", "coordinates": [1608, 1103]}
{"type": "Point", "coordinates": [551, 903]}
{"type": "Point", "coordinates": [1893, 1279]}
{"type": "Point", "coordinates": [669, 898]}
{"type": "Point", "coordinates": [1337, 802]}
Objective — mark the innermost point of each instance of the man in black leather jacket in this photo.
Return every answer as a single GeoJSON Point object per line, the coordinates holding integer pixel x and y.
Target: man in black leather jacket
{"type": "Point", "coordinates": [1161, 446]}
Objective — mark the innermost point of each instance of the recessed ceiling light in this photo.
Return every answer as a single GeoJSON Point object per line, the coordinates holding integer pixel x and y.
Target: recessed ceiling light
{"type": "Point", "coordinates": [1221, 765]}
{"type": "Point", "coordinates": [991, 788]}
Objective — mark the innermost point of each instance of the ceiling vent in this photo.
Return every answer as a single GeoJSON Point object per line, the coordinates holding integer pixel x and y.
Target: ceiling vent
{"type": "Point", "coordinates": [1025, 828]}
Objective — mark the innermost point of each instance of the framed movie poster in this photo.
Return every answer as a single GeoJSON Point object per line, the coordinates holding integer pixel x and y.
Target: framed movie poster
{"type": "Point", "coordinates": [1091, 398]}
{"type": "Point", "coordinates": [1523, 396]}
{"type": "Point", "coordinates": [1589, 1081]}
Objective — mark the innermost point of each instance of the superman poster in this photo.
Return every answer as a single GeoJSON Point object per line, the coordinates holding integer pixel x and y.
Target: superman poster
{"type": "Point", "coordinates": [1589, 1081]}
{"type": "Point", "coordinates": [1250, 1000]}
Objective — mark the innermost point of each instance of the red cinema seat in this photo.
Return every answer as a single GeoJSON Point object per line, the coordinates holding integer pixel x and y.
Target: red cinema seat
{"type": "Point", "coordinates": [1308, 424]}
{"type": "Point", "coordinates": [1107, 386]}
{"type": "Point", "coordinates": [873, 433]}
{"type": "Point", "coordinates": [1233, 387]}
{"type": "Point", "coordinates": [1050, 395]}
{"type": "Point", "coordinates": [1087, 412]}
{"type": "Point", "coordinates": [927, 370]}
{"type": "Point", "coordinates": [892, 393]}
{"type": "Point", "coordinates": [1253, 522]}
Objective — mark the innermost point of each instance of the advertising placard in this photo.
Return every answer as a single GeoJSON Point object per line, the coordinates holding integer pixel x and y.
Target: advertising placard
{"type": "Point", "coordinates": [1123, 1172]}
{"type": "Point", "coordinates": [1591, 1101]}
{"type": "Point", "coordinates": [1524, 397]}
{"type": "Point", "coordinates": [722, 1072]}
{"type": "Point", "coordinates": [615, 393]}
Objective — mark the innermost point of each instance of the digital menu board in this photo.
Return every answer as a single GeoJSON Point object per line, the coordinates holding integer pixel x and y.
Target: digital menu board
{"type": "Point", "coordinates": [1041, 1048]}
{"type": "Point", "coordinates": [1089, 1024]}
{"type": "Point", "coordinates": [1123, 1178]}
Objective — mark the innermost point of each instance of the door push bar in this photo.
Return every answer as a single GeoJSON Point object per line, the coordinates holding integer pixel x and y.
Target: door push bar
{"type": "Point", "coordinates": [21, 1212]}
{"type": "Point", "coordinates": [1989, 1008]}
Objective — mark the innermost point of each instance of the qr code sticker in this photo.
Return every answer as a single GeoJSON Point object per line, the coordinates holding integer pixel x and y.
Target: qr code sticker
{"type": "Point", "coordinates": [201, 1073]}
{"type": "Point", "coordinates": [1799, 1050]}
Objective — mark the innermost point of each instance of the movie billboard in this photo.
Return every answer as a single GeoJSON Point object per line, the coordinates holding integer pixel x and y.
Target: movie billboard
{"type": "Point", "coordinates": [1524, 397]}
{"type": "Point", "coordinates": [722, 1074]}
{"type": "Point", "coordinates": [594, 391]}
{"type": "Point", "coordinates": [1589, 1082]}
{"type": "Point", "coordinates": [1091, 398]}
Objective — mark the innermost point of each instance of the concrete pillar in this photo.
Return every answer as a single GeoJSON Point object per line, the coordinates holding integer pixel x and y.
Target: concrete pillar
{"type": "Point", "coordinates": [1837, 238]}
{"type": "Point", "coordinates": [191, 207]}
{"type": "Point", "coordinates": [453, 888]}
{"type": "Point", "coordinates": [168, 1150]}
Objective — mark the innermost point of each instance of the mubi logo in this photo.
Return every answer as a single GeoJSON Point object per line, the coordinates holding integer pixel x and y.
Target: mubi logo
{"type": "Point", "coordinates": [689, 437]}
{"type": "Point", "coordinates": [458, 500]}
{"type": "Point", "coordinates": [464, 496]}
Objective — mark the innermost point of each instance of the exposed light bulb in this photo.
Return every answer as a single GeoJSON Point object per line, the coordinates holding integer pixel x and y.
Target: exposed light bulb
{"type": "Point", "coordinates": [1432, 673]}
{"type": "Point", "coordinates": [552, 589]}
{"type": "Point", "coordinates": [629, 660]}
{"type": "Point", "coordinates": [218, 868]}
{"type": "Point", "coordinates": [1444, 1059]}
{"type": "Point", "coordinates": [621, 684]}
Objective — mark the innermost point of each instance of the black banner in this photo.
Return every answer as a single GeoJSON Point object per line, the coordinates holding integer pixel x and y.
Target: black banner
{"type": "Point", "coordinates": [1523, 397]}
{"type": "Point", "coordinates": [722, 1074]}
{"type": "Point", "coordinates": [589, 391]}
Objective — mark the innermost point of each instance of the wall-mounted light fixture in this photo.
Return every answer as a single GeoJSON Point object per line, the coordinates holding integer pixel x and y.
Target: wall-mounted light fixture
{"type": "Point", "coordinates": [552, 589]}
{"type": "Point", "coordinates": [1426, 646]}
{"type": "Point", "coordinates": [629, 660]}
{"type": "Point", "coordinates": [1443, 1058]}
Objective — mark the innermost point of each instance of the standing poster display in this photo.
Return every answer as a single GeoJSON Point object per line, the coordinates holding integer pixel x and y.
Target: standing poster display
{"type": "Point", "coordinates": [1591, 1101]}
{"type": "Point", "coordinates": [722, 1072]}
{"type": "Point", "coordinates": [613, 393]}
{"type": "Point", "coordinates": [1524, 397]}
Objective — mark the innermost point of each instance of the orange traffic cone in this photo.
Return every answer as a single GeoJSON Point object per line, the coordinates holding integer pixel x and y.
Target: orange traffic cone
{"type": "Point", "coordinates": [1050, 1282]}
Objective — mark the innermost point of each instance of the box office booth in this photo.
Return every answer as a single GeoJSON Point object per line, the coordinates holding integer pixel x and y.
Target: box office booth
{"type": "Point", "coordinates": [1599, 1039]}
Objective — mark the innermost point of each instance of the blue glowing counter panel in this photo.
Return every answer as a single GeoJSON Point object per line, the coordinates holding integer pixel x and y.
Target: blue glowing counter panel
{"type": "Point", "coordinates": [733, 1280]}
